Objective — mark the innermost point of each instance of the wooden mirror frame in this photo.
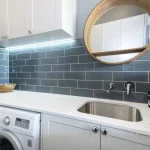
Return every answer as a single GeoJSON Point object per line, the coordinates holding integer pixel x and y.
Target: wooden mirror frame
{"type": "Point", "coordinates": [103, 7]}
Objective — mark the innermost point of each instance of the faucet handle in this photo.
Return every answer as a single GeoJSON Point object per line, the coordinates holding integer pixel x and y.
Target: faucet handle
{"type": "Point", "coordinates": [129, 86]}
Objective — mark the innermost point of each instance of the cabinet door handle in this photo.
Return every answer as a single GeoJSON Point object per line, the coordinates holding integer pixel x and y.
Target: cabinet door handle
{"type": "Point", "coordinates": [104, 131]}
{"type": "Point", "coordinates": [30, 32]}
{"type": "Point", "coordinates": [95, 129]}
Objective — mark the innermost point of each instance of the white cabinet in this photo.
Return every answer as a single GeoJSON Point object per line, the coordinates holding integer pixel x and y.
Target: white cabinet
{"type": "Point", "coordinates": [133, 32]}
{"type": "Point", "coordinates": [3, 19]}
{"type": "Point", "coordinates": [95, 38]}
{"type": "Point", "coordinates": [18, 17]}
{"type": "Point", "coordinates": [122, 140]}
{"type": "Point", "coordinates": [43, 15]}
{"type": "Point", "coordinates": [67, 134]}
{"type": "Point", "coordinates": [52, 15]}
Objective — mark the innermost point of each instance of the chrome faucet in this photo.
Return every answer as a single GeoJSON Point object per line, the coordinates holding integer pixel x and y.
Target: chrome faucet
{"type": "Point", "coordinates": [129, 86]}
{"type": "Point", "coordinates": [111, 87]}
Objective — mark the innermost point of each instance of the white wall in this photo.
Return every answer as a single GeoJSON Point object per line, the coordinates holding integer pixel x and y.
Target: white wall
{"type": "Point", "coordinates": [84, 7]}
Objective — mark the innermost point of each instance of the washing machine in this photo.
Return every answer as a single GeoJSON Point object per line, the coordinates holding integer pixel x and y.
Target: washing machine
{"type": "Point", "coordinates": [19, 130]}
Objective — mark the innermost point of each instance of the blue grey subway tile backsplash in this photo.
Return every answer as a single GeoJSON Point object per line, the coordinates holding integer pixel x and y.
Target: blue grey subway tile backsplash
{"type": "Point", "coordinates": [67, 68]}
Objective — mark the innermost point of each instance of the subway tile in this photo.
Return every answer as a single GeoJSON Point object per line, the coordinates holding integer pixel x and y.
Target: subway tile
{"type": "Point", "coordinates": [28, 49]}
{"type": "Point", "coordinates": [136, 97]}
{"type": "Point", "coordinates": [4, 81]}
{"type": "Point", "coordinates": [90, 84]}
{"type": "Point", "coordinates": [33, 62]}
{"type": "Point", "coordinates": [74, 75]}
{"type": "Point", "coordinates": [86, 59]}
{"type": "Point", "coordinates": [12, 57]}
{"type": "Point", "coordinates": [105, 67]}
{"type": "Point", "coordinates": [27, 88]}
{"type": "Point", "coordinates": [61, 45]}
{"type": "Point", "coordinates": [99, 76]}
{"type": "Point", "coordinates": [43, 68]}
{"type": "Point", "coordinates": [2, 56]}
{"type": "Point", "coordinates": [143, 87]}
{"type": "Point", "coordinates": [56, 53]}
{"type": "Point", "coordinates": [19, 81]}
{"type": "Point", "coordinates": [67, 83]}
{"type": "Point", "coordinates": [12, 75]}
{"type": "Point", "coordinates": [2, 75]}
{"type": "Point", "coordinates": [38, 75]}
{"type": "Point", "coordinates": [137, 66]}
{"type": "Point", "coordinates": [130, 76]}
{"type": "Point", "coordinates": [33, 82]}
{"type": "Point", "coordinates": [45, 61]}
{"type": "Point", "coordinates": [68, 60]}
{"type": "Point", "coordinates": [38, 55]}
{"type": "Point", "coordinates": [18, 87]}
{"type": "Point", "coordinates": [2, 68]}
{"type": "Point", "coordinates": [23, 75]}
{"type": "Point", "coordinates": [114, 95]}
{"type": "Point", "coordinates": [61, 68]}
{"type": "Point", "coordinates": [42, 48]}
{"type": "Point", "coordinates": [59, 90]}
{"type": "Point", "coordinates": [24, 56]}
{"type": "Point", "coordinates": [82, 92]}
{"type": "Point", "coordinates": [49, 82]}
{"type": "Point", "coordinates": [75, 51]}
{"type": "Point", "coordinates": [10, 63]}
{"type": "Point", "coordinates": [54, 75]}
{"type": "Point", "coordinates": [82, 67]}
{"type": "Point", "coordinates": [28, 69]}
{"type": "Point", "coordinates": [118, 86]}
{"type": "Point", "coordinates": [4, 62]}
{"type": "Point", "coordinates": [18, 63]}
{"type": "Point", "coordinates": [145, 56]}
{"type": "Point", "coordinates": [43, 89]}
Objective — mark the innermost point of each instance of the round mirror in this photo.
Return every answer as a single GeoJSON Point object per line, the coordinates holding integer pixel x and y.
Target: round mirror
{"type": "Point", "coordinates": [117, 31]}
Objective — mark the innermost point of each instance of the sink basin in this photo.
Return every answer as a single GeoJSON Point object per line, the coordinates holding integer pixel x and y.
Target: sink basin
{"type": "Point", "coordinates": [115, 111]}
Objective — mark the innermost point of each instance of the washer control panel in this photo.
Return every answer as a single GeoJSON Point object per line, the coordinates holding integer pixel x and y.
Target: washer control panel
{"type": "Point", "coordinates": [22, 123]}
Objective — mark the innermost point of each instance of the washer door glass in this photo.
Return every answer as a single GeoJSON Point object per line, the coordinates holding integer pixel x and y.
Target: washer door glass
{"type": "Point", "coordinates": [9, 141]}
{"type": "Point", "coordinates": [5, 144]}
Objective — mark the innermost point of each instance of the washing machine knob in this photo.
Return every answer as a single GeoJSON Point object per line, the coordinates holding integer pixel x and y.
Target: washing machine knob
{"type": "Point", "coordinates": [6, 121]}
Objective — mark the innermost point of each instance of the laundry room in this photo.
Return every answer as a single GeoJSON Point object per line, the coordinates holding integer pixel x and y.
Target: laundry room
{"type": "Point", "coordinates": [74, 75]}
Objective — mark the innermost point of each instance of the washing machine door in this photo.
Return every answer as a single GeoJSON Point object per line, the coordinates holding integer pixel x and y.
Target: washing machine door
{"type": "Point", "coordinates": [9, 141]}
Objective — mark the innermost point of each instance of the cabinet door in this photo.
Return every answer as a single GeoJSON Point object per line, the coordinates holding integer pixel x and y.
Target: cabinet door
{"type": "Point", "coordinates": [44, 15]}
{"type": "Point", "coordinates": [66, 134]}
{"type": "Point", "coordinates": [3, 19]}
{"type": "Point", "coordinates": [122, 140]}
{"type": "Point", "coordinates": [110, 39]}
{"type": "Point", "coordinates": [18, 18]}
{"type": "Point", "coordinates": [133, 32]}
{"type": "Point", "coordinates": [95, 38]}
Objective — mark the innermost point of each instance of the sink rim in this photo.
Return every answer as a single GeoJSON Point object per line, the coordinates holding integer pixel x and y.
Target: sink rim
{"type": "Point", "coordinates": [112, 103]}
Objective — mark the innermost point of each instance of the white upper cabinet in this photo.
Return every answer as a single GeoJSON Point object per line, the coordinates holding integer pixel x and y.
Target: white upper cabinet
{"type": "Point", "coordinates": [52, 15]}
{"type": "Point", "coordinates": [133, 32]}
{"type": "Point", "coordinates": [3, 19]}
{"type": "Point", "coordinates": [43, 15]}
{"type": "Point", "coordinates": [18, 18]}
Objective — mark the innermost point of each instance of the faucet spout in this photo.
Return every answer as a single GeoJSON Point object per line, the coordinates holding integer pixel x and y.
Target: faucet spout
{"type": "Point", "coordinates": [129, 86]}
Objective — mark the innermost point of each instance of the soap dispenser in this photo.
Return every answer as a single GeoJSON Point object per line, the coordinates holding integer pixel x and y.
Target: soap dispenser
{"type": "Point", "coordinates": [149, 99]}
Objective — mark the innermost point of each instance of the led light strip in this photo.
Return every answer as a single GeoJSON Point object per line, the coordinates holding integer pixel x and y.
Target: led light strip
{"type": "Point", "coordinates": [38, 44]}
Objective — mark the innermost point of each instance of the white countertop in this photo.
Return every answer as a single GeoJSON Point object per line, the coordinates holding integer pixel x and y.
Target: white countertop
{"type": "Point", "coordinates": [67, 106]}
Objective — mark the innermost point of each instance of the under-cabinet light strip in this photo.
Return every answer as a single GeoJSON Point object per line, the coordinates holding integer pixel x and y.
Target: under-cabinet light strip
{"type": "Point", "coordinates": [38, 44]}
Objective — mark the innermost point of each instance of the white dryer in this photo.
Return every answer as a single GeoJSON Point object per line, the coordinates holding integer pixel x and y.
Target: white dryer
{"type": "Point", "coordinates": [19, 130]}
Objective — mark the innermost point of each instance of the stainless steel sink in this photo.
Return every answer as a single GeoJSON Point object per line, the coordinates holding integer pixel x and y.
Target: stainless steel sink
{"type": "Point", "coordinates": [121, 112]}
